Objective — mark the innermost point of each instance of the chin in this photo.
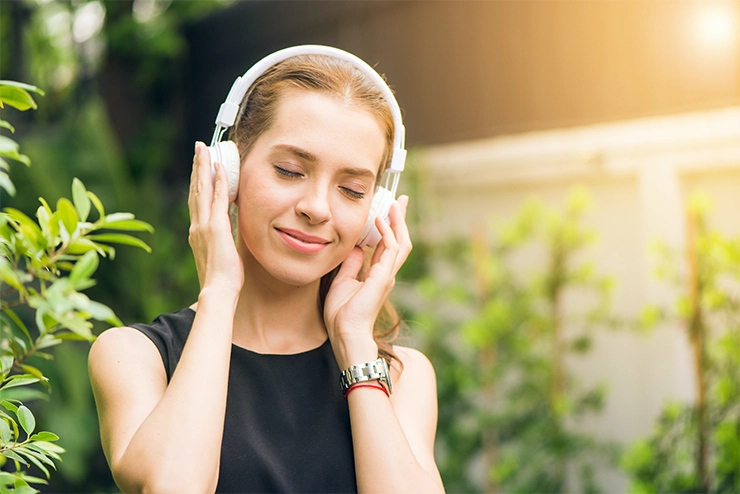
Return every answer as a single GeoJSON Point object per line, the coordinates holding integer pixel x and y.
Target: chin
{"type": "Point", "coordinates": [297, 277]}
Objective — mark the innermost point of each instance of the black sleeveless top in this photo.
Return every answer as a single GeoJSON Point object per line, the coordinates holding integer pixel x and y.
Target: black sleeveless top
{"type": "Point", "coordinates": [287, 425]}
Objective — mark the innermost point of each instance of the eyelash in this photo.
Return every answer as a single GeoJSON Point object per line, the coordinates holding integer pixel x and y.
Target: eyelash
{"type": "Point", "coordinates": [353, 194]}
{"type": "Point", "coordinates": [287, 173]}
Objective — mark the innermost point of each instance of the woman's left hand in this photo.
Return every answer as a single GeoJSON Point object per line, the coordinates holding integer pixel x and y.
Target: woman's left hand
{"type": "Point", "coordinates": [353, 305]}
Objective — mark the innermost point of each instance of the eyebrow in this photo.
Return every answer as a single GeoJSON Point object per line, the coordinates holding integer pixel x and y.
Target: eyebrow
{"type": "Point", "coordinates": [301, 153]}
{"type": "Point", "coordinates": [308, 156]}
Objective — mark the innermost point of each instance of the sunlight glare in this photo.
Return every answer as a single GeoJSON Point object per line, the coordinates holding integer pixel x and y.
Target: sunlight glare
{"type": "Point", "coordinates": [716, 24]}
{"type": "Point", "coordinates": [88, 21]}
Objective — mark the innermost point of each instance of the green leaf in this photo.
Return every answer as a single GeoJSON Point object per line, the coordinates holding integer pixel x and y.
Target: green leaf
{"type": "Point", "coordinates": [22, 85]}
{"type": "Point", "coordinates": [44, 436]}
{"type": "Point", "coordinates": [29, 369]}
{"type": "Point", "coordinates": [70, 337]}
{"type": "Point", "coordinates": [22, 488]}
{"type": "Point", "coordinates": [7, 184]}
{"type": "Point", "coordinates": [115, 217]}
{"type": "Point", "coordinates": [44, 217]}
{"type": "Point", "coordinates": [9, 275]}
{"type": "Point", "coordinates": [9, 149]}
{"type": "Point", "coordinates": [7, 478]}
{"type": "Point", "coordinates": [5, 434]}
{"type": "Point", "coordinates": [19, 380]}
{"type": "Point", "coordinates": [17, 97]}
{"type": "Point", "coordinates": [30, 231]}
{"type": "Point", "coordinates": [13, 456]}
{"type": "Point", "coordinates": [9, 406]}
{"type": "Point", "coordinates": [26, 419]}
{"type": "Point", "coordinates": [80, 198]}
{"type": "Point", "coordinates": [46, 341]}
{"type": "Point", "coordinates": [13, 317]}
{"type": "Point", "coordinates": [96, 202]}
{"type": "Point", "coordinates": [83, 245]}
{"type": "Point", "coordinates": [119, 238]}
{"type": "Point", "coordinates": [47, 448]}
{"type": "Point", "coordinates": [102, 312]}
{"type": "Point", "coordinates": [34, 457]}
{"type": "Point", "coordinates": [68, 214]}
{"type": "Point", "coordinates": [84, 267]}
{"type": "Point", "coordinates": [130, 225]}
{"type": "Point", "coordinates": [6, 125]}
{"type": "Point", "coordinates": [7, 363]}
{"type": "Point", "coordinates": [24, 393]}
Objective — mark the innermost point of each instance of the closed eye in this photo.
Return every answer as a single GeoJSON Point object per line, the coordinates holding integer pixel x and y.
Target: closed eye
{"type": "Point", "coordinates": [352, 193]}
{"type": "Point", "coordinates": [287, 173]}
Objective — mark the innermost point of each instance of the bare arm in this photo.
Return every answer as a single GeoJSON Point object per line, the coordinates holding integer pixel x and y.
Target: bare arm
{"type": "Point", "coordinates": [159, 437]}
{"type": "Point", "coordinates": [394, 439]}
{"type": "Point", "coordinates": [156, 437]}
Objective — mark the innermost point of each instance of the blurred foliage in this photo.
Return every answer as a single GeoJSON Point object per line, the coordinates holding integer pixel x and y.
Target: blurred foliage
{"type": "Point", "coordinates": [523, 304]}
{"type": "Point", "coordinates": [696, 447]}
{"type": "Point", "coordinates": [111, 70]}
{"type": "Point", "coordinates": [44, 266]}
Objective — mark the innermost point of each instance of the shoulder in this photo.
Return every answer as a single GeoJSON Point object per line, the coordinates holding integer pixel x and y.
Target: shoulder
{"type": "Point", "coordinates": [117, 345]}
{"type": "Point", "coordinates": [414, 383]}
{"type": "Point", "coordinates": [414, 364]}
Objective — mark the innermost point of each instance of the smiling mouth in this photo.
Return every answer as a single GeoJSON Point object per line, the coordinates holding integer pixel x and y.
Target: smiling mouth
{"type": "Point", "coordinates": [302, 237]}
{"type": "Point", "coordinates": [300, 242]}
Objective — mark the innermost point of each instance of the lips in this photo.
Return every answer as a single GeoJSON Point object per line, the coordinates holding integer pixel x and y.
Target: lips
{"type": "Point", "coordinates": [302, 242]}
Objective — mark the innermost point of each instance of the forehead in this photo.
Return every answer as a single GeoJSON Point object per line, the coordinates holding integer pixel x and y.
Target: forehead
{"type": "Point", "coordinates": [328, 127]}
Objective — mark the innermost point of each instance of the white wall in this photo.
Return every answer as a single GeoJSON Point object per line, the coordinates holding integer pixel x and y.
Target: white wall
{"type": "Point", "coordinates": [640, 173]}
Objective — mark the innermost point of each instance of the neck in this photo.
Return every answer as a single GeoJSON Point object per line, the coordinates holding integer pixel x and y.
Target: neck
{"type": "Point", "coordinates": [274, 317]}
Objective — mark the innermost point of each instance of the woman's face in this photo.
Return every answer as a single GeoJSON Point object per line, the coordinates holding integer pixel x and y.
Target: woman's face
{"type": "Point", "coordinates": [307, 184]}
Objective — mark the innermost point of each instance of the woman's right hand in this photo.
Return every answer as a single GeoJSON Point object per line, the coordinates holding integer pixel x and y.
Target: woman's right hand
{"type": "Point", "coordinates": [216, 258]}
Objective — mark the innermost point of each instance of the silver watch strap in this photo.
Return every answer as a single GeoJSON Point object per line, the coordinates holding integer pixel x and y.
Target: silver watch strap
{"type": "Point", "coordinates": [369, 371]}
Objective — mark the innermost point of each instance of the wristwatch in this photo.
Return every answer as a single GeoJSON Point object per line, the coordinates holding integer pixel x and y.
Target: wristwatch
{"type": "Point", "coordinates": [366, 372]}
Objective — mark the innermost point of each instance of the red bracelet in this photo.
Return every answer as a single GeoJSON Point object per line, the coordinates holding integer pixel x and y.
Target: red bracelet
{"type": "Point", "coordinates": [376, 386]}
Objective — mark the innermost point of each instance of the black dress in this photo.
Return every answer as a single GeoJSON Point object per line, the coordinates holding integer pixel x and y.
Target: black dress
{"type": "Point", "coordinates": [287, 426]}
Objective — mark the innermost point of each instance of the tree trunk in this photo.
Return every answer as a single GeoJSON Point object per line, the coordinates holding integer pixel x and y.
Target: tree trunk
{"type": "Point", "coordinates": [557, 386]}
{"type": "Point", "coordinates": [697, 337]}
{"type": "Point", "coordinates": [487, 358]}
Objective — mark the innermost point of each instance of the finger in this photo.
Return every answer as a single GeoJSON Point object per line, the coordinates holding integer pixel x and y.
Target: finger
{"type": "Point", "coordinates": [400, 229]}
{"type": "Point", "coordinates": [192, 190]}
{"type": "Point", "coordinates": [203, 182]}
{"type": "Point", "coordinates": [352, 264]}
{"type": "Point", "coordinates": [384, 257]}
{"type": "Point", "coordinates": [378, 253]}
{"type": "Point", "coordinates": [220, 204]}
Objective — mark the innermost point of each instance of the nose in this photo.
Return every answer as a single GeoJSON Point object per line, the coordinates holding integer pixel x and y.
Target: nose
{"type": "Point", "coordinates": [314, 204]}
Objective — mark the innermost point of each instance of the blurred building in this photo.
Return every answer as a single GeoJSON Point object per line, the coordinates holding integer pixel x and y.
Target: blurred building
{"type": "Point", "coordinates": [503, 100]}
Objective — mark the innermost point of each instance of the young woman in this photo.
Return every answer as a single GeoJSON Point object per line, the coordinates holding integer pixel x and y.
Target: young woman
{"type": "Point", "coordinates": [241, 391]}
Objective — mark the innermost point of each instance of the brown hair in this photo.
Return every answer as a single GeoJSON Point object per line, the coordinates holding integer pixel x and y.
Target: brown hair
{"type": "Point", "coordinates": [339, 79]}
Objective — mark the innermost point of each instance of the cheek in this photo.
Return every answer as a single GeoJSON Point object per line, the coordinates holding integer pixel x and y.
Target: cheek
{"type": "Point", "coordinates": [350, 220]}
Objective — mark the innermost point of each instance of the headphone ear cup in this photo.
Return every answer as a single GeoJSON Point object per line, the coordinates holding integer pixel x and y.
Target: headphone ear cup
{"type": "Point", "coordinates": [382, 200]}
{"type": "Point", "coordinates": [226, 153]}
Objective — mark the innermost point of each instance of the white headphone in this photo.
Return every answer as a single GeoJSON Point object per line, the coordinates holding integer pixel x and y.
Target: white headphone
{"type": "Point", "coordinates": [226, 153]}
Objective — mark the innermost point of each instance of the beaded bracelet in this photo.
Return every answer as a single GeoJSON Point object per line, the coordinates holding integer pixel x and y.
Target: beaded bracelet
{"type": "Point", "coordinates": [362, 385]}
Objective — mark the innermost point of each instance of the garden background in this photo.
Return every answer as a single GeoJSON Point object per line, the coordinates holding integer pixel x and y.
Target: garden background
{"type": "Point", "coordinates": [574, 172]}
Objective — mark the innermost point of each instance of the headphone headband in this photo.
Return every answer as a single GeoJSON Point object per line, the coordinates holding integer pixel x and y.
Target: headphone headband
{"type": "Point", "coordinates": [230, 108]}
